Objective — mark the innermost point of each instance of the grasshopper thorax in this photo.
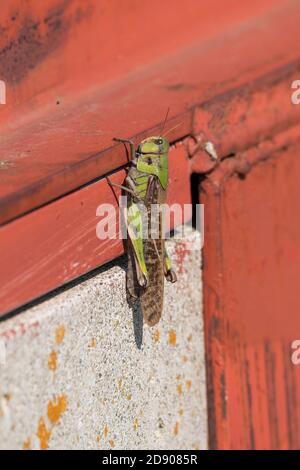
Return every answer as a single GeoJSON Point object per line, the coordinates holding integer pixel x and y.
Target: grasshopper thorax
{"type": "Point", "coordinates": [152, 158]}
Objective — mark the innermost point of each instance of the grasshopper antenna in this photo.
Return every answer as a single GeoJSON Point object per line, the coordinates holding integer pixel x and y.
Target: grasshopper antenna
{"type": "Point", "coordinates": [165, 120]}
{"type": "Point", "coordinates": [172, 129]}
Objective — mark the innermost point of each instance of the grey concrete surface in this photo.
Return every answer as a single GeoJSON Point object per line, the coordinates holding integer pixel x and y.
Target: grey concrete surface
{"type": "Point", "coordinates": [82, 372]}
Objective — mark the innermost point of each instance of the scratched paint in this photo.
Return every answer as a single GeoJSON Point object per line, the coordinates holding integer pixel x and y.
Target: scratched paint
{"type": "Point", "coordinates": [79, 375]}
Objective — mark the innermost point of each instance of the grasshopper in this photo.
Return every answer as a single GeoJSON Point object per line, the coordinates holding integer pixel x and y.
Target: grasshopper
{"type": "Point", "coordinates": [148, 261]}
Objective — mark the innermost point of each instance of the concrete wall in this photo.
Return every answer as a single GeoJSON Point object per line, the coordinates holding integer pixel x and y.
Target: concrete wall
{"type": "Point", "coordinates": [81, 372]}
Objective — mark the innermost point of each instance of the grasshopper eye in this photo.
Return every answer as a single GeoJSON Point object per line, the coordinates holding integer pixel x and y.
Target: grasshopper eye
{"type": "Point", "coordinates": [149, 161]}
{"type": "Point", "coordinates": [158, 141]}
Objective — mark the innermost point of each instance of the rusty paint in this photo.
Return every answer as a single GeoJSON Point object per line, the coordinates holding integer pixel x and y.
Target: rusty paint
{"type": "Point", "coordinates": [156, 336]}
{"type": "Point", "coordinates": [172, 338]}
{"type": "Point", "coordinates": [26, 444]}
{"type": "Point", "coordinates": [120, 383]}
{"type": "Point", "coordinates": [135, 424]}
{"type": "Point", "coordinates": [188, 384]}
{"type": "Point", "coordinates": [43, 433]}
{"type": "Point", "coordinates": [52, 361]}
{"type": "Point", "coordinates": [93, 343]}
{"type": "Point", "coordinates": [59, 334]}
{"type": "Point", "coordinates": [105, 431]}
{"type": "Point", "coordinates": [56, 408]}
{"type": "Point", "coordinates": [7, 396]}
{"type": "Point", "coordinates": [176, 429]}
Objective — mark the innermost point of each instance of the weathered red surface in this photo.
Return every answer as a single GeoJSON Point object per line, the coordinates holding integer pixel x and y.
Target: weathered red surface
{"type": "Point", "coordinates": [77, 76]}
{"type": "Point", "coordinates": [251, 301]}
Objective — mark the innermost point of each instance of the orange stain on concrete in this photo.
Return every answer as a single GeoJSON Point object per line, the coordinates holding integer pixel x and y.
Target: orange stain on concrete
{"type": "Point", "coordinates": [52, 361]}
{"type": "Point", "coordinates": [176, 429]}
{"type": "Point", "coordinates": [93, 343]}
{"type": "Point", "coordinates": [43, 434]}
{"type": "Point", "coordinates": [188, 384]}
{"type": "Point", "coordinates": [184, 359]}
{"type": "Point", "coordinates": [135, 424]}
{"type": "Point", "coordinates": [156, 336]}
{"type": "Point", "coordinates": [112, 443]}
{"type": "Point", "coordinates": [179, 389]}
{"type": "Point", "coordinates": [56, 408]}
{"type": "Point", "coordinates": [98, 438]}
{"type": "Point", "coordinates": [105, 430]}
{"type": "Point", "coordinates": [120, 383]}
{"type": "Point", "coordinates": [190, 337]}
{"type": "Point", "coordinates": [27, 444]}
{"type": "Point", "coordinates": [172, 337]}
{"type": "Point", "coordinates": [59, 334]}
{"type": "Point", "coordinates": [178, 377]}
{"type": "Point", "coordinates": [180, 412]}
{"type": "Point", "coordinates": [129, 396]}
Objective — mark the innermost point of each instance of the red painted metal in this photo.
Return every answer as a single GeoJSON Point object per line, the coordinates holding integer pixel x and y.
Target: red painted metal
{"type": "Point", "coordinates": [67, 101]}
{"type": "Point", "coordinates": [251, 302]}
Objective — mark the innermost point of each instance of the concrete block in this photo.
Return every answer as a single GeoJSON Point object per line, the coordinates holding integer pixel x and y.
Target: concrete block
{"type": "Point", "coordinates": [82, 372]}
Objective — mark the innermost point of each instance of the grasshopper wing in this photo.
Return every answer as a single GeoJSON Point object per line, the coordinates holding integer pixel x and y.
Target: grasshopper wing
{"type": "Point", "coordinates": [152, 297]}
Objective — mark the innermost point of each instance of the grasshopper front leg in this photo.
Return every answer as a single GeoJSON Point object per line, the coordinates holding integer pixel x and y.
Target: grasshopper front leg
{"type": "Point", "coordinates": [131, 144]}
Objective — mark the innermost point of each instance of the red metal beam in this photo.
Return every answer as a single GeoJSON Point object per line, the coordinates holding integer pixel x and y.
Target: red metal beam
{"type": "Point", "coordinates": [62, 137]}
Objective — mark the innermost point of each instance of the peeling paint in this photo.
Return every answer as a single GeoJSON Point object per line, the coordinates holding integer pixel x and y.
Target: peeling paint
{"type": "Point", "coordinates": [176, 429]}
{"type": "Point", "coordinates": [188, 384]}
{"type": "Point", "coordinates": [172, 337]}
{"type": "Point", "coordinates": [43, 433]}
{"type": "Point", "coordinates": [52, 361]}
{"type": "Point", "coordinates": [56, 408]}
{"type": "Point", "coordinates": [156, 336]}
{"type": "Point", "coordinates": [135, 424]}
{"type": "Point", "coordinates": [26, 444]}
{"type": "Point", "coordinates": [59, 334]}
{"type": "Point", "coordinates": [105, 431]}
{"type": "Point", "coordinates": [112, 443]}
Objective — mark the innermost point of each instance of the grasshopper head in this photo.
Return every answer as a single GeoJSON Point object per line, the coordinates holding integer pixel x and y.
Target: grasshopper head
{"type": "Point", "coordinates": [153, 158]}
{"type": "Point", "coordinates": [154, 145]}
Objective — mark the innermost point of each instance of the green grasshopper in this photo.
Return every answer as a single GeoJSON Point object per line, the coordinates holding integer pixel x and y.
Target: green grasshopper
{"type": "Point", "coordinates": [148, 261]}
